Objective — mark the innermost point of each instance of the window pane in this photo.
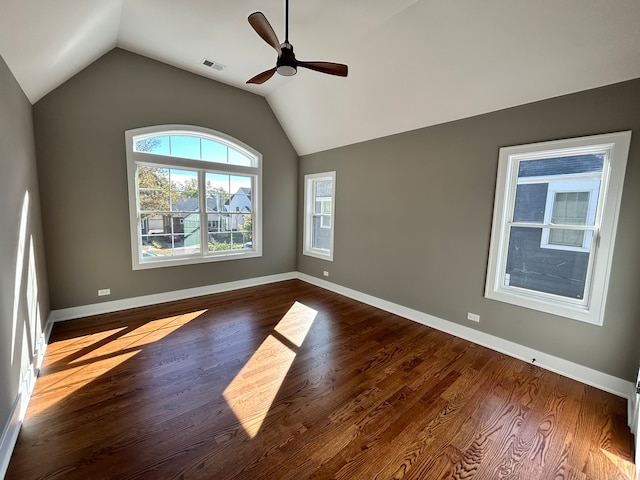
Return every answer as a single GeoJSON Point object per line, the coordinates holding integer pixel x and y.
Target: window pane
{"type": "Point", "coordinates": [238, 158]}
{"type": "Point", "coordinates": [216, 200]}
{"type": "Point", "coordinates": [216, 223]}
{"type": "Point", "coordinates": [562, 165]}
{"type": "Point", "coordinates": [239, 223]}
{"type": "Point", "coordinates": [153, 177]}
{"type": "Point", "coordinates": [246, 227]}
{"type": "Point", "coordinates": [185, 181]}
{"type": "Point", "coordinates": [191, 231]}
{"type": "Point", "coordinates": [322, 191]}
{"type": "Point", "coordinates": [184, 190]}
{"type": "Point", "coordinates": [181, 203]}
{"type": "Point", "coordinates": [153, 224]}
{"type": "Point", "coordinates": [571, 238]}
{"type": "Point", "coordinates": [214, 151]}
{"type": "Point", "coordinates": [530, 203]}
{"type": "Point", "coordinates": [156, 145]}
{"type": "Point", "coordinates": [185, 146]}
{"type": "Point", "coordinates": [179, 235]}
{"type": "Point", "coordinates": [153, 200]}
{"type": "Point", "coordinates": [570, 208]}
{"type": "Point", "coordinates": [321, 236]}
{"type": "Point", "coordinates": [240, 185]}
{"type": "Point", "coordinates": [224, 241]}
{"type": "Point", "coordinates": [153, 189]}
{"type": "Point", "coordinates": [556, 271]}
{"type": "Point", "coordinates": [217, 192]}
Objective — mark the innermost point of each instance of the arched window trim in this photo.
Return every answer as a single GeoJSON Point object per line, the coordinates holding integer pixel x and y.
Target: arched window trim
{"type": "Point", "coordinates": [135, 158]}
{"type": "Point", "coordinates": [196, 132]}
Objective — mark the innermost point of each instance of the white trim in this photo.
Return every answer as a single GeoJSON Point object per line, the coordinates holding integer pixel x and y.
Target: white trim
{"type": "Point", "coordinates": [309, 214]}
{"type": "Point", "coordinates": [12, 427]}
{"type": "Point", "coordinates": [615, 147]}
{"type": "Point", "coordinates": [146, 300]}
{"type": "Point", "coordinates": [633, 420]}
{"type": "Point", "coordinates": [589, 376]}
{"type": "Point", "coordinates": [134, 159]}
{"type": "Point", "coordinates": [592, 187]}
{"type": "Point", "coordinates": [10, 434]}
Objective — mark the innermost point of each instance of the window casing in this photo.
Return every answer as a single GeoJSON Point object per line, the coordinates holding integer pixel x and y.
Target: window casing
{"type": "Point", "coordinates": [194, 196]}
{"type": "Point", "coordinates": [554, 224]}
{"type": "Point", "coordinates": [319, 208]}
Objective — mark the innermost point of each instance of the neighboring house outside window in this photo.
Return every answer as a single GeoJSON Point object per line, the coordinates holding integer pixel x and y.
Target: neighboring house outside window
{"type": "Point", "coordinates": [182, 177]}
{"type": "Point", "coordinates": [319, 208]}
{"type": "Point", "coordinates": [554, 224]}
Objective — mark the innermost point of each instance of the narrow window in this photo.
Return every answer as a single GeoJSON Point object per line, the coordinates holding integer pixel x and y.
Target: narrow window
{"type": "Point", "coordinates": [554, 224]}
{"type": "Point", "coordinates": [319, 211]}
{"type": "Point", "coordinates": [193, 196]}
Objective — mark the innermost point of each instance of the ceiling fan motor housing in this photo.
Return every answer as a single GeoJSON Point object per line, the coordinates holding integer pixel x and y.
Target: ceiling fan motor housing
{"type": "Point", "coordinates": [286, 64]}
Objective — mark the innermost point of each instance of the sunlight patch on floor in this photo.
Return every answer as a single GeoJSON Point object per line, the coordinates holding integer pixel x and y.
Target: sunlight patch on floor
{"type": "Point", "coordinates": [145, 334]}
{"type": "Point", "coordinates": [70, 380]}
{"type": "Point", "coordinates": [253, 390]}
{"type": "Point", "coordinates": [74, 363]}
{"type": "Point", "coordinates": [625, 467]}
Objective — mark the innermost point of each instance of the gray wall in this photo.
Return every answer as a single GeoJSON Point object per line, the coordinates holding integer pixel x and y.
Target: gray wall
{"type": "Point", "coordinates": [82, 170]}
{"type": "Point", "coordinates": [413, 223]}
{"type": "Point", "coordinates": [20, 296]}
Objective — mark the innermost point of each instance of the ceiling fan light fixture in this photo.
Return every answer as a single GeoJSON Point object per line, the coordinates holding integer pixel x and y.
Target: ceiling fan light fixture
{"type": "Point", "coordinates": [286, 70]}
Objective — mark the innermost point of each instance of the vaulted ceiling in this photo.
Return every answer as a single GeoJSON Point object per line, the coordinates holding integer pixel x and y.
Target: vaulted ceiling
{"type": "Point", "coordinates": [412, 63]}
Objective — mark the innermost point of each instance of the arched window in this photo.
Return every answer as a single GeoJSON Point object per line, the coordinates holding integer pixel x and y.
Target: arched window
{"type": "Point", "coordinates": [194, 196]}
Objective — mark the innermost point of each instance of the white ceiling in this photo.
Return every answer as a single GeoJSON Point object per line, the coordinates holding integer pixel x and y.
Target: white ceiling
{"type": "Point", "coordinates": [412, 63]}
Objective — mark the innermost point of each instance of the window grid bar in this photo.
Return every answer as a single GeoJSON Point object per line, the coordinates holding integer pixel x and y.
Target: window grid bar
{"type": "Point", "coordinates": [558, 226]}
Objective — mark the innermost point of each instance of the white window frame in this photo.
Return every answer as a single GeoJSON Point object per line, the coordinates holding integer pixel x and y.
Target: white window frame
{"type": "Point", "coordinates": [576, 184]}
{"type": "Point", "coordinates": [134, 158]}
{"type": "Point", "coordinates": [310, 198]}
{"type": "Point", "coordinates": [325, 222]}
{"type": "Point", "coordinates": [590, 309]}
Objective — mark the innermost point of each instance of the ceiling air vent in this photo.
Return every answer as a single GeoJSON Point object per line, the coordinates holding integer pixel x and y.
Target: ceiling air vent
{"type": "Point", "coordinates": [211, 64]}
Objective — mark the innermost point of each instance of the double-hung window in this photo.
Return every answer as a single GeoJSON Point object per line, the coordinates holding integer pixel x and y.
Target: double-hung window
{"type": "Point", "coordinates": [319, 208]}
{"type": "Point", "coordinates": [554, 224]}
{"type": "Point", "coordinates": [193, 196]}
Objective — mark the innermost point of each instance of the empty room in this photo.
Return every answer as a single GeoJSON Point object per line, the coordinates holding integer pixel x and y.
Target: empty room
{"type": "Point", "coordinates": [289, 239]}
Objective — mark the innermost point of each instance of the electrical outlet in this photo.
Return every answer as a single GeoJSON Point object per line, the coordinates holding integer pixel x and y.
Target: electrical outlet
{"type": "Point", "coordinates": [104, 291]}
{"type": "Point", "coordinates": [325, 273]}
{"type": "Point", "coordinates": [473, 317]}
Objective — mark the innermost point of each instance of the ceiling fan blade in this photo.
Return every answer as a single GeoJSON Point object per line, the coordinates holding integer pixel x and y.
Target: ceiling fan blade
{"type": "Point", "coordinates": [263, 77]}
{"type": "Point", "coordinates": [326, 67]}
{"type": "Point", "coordinates": [263, 28]}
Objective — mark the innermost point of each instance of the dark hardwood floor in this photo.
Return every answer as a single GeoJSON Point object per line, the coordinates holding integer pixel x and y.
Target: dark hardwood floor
{"type": "Point", "coordinates": [288, 381]}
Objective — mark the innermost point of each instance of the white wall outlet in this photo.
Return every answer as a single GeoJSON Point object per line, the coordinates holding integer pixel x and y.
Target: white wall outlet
{"type": "Point", "coordinates": [325, 273]}
{"type": "Point", "coordinates": [104, 291]}
{"type": "Point", "coordinates": [473, 317]}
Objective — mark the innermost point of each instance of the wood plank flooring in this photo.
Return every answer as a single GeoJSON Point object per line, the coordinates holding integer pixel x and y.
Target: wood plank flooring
{"type": "Point", "coordinates": [289, 381]}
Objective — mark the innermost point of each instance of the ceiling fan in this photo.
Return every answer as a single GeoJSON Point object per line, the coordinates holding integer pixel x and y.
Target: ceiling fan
{"type": "Point", "coordinates": [287, 64]}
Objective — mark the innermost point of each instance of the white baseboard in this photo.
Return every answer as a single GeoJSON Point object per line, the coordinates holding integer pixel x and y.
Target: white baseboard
{"type": "Point", "coordinates": [10, 434]}
{"type": "Point", "coordinates": [146, 300]}
{"type": "Point", "coordinates": [19, 408]}
{"type": "Point", "coordinates": [589, 376]}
